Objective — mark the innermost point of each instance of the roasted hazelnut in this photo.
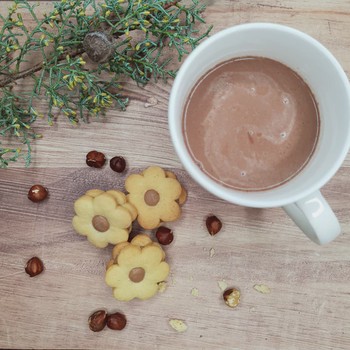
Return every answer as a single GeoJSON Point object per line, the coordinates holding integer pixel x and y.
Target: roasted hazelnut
{"type": "Point", "coordinates": [34, 267]}
{"type": "Point", "coordinates": [37, 193]}
{"type": "Point", "coordinates": [95, 159]}
{"type": "Point", "coordinates": [116, 321]}
{"type": "Point", "coordinates": [232, 297]}
{"type": "Point", "coordinates": [98, 320]}
{"type": "Point", "coordinates": [164, 235]}
{"type": "Point", "coordinates": [214, 225]}
{"type": "Point", "coordinates": [117, 164]}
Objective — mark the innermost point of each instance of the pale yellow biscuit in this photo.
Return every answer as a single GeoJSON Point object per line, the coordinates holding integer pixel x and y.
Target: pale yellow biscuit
{"type": "Point", "coordinates": [136, 269]}
{"type": "Point", "coordinates": [155, 196]}
{"type": "Point", "coordinates": [101, 219]}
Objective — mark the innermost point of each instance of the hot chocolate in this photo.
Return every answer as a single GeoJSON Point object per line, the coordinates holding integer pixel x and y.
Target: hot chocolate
{"type": "Point", "coordinates": [251, 123]}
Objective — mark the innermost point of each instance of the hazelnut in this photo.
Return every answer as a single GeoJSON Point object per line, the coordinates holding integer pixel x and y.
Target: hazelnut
{"type": "Point", "coordinates": [98, 320]}
{"type": "Point", "coordinates": [100, 223]}
{"type": "Point", "coordinates": [232, 297]}
{"type": "Point", "coordinates": [37, 193]}
{"type": "Point", "coordinates": [116, 321]}
{"type": "Point", "coordinates": [214, 225]}
{"type": "Point", "coordinates": [137, 274]}
{"type": "Point", "coordinates": [34, 267]}
{"type": "Point", "coordinates": [164, 235]}
{"type": "Point", "coordinates": [95, 159]}
{"type": "Point", "coordinates": [151, 198]}
{"type": "Point", "coordinates": [117, 164]}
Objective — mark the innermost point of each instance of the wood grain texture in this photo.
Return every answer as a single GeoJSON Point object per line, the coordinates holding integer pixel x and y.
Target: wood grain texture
{"type": "Point", "coordinates": [309, 303]}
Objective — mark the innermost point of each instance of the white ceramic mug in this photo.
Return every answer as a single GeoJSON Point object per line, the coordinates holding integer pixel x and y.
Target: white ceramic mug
{"type": "Point", "coordinates": [300, 197]}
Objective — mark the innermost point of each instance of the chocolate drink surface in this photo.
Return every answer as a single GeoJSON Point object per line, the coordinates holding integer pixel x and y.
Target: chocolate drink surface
{"type": "Point", "coordinates": [251, 123]}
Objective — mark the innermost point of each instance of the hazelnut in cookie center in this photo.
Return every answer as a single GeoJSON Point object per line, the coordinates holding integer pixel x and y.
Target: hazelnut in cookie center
{"type": "Point", "coordinates": [100, 223]}
{"type": "Point", "coordinates": [151, 197]}
{"type": "Point", "coordinates": [137, 274]}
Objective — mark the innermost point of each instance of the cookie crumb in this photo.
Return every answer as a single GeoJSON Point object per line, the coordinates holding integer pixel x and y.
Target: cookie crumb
{"type": "Point", "coordinates": [194, 292]}
{"type": "Point", "coordinates": [162, 286]}
{"type": "Point", "coordinates": [179, 325]}
{"type": "Point", "coordinates": [211, 252]}
{"type": "Point", "coordinates": [151, 101]}
{"type": "Point", "coordinates": [222, 285]}
{"type": "Point", "coordinates": [262, 288]}
{"type": "Point", "coordinates": [252, 309]}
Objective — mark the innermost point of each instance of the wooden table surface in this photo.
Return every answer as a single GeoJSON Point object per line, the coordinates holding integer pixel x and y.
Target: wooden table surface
{"type": "Point", "coordinates": [308, 306]}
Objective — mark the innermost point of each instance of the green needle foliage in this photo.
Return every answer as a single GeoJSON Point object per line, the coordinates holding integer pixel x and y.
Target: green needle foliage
{"type": "Point", "coordinates": [132, 39]}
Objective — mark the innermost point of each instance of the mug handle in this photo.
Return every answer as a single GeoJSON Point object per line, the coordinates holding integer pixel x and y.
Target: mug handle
{"type": "Point", "coordinates": [315, 218]}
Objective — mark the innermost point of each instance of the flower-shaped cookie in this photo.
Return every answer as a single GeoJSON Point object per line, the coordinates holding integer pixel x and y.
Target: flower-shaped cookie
{"type": "Point", "coordinates": [155, 196]}
{"type": "Point", "coordinates": [136, 269]}
{"type": "Point", "coordinates": [104, 217]}
{"type": "Point", "coordinates": [183, 196]}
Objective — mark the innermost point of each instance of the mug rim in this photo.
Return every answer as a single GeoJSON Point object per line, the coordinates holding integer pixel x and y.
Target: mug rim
{"type": "Point", "coordinates": [212, 186]}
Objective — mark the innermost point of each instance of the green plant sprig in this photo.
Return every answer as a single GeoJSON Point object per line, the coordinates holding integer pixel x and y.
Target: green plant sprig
{"type": "Point", "coordinates": [138, 35]}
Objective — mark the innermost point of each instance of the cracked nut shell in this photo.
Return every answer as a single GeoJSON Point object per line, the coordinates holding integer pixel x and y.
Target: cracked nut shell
{"type": "Point", "coordinates": [232, 297]}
